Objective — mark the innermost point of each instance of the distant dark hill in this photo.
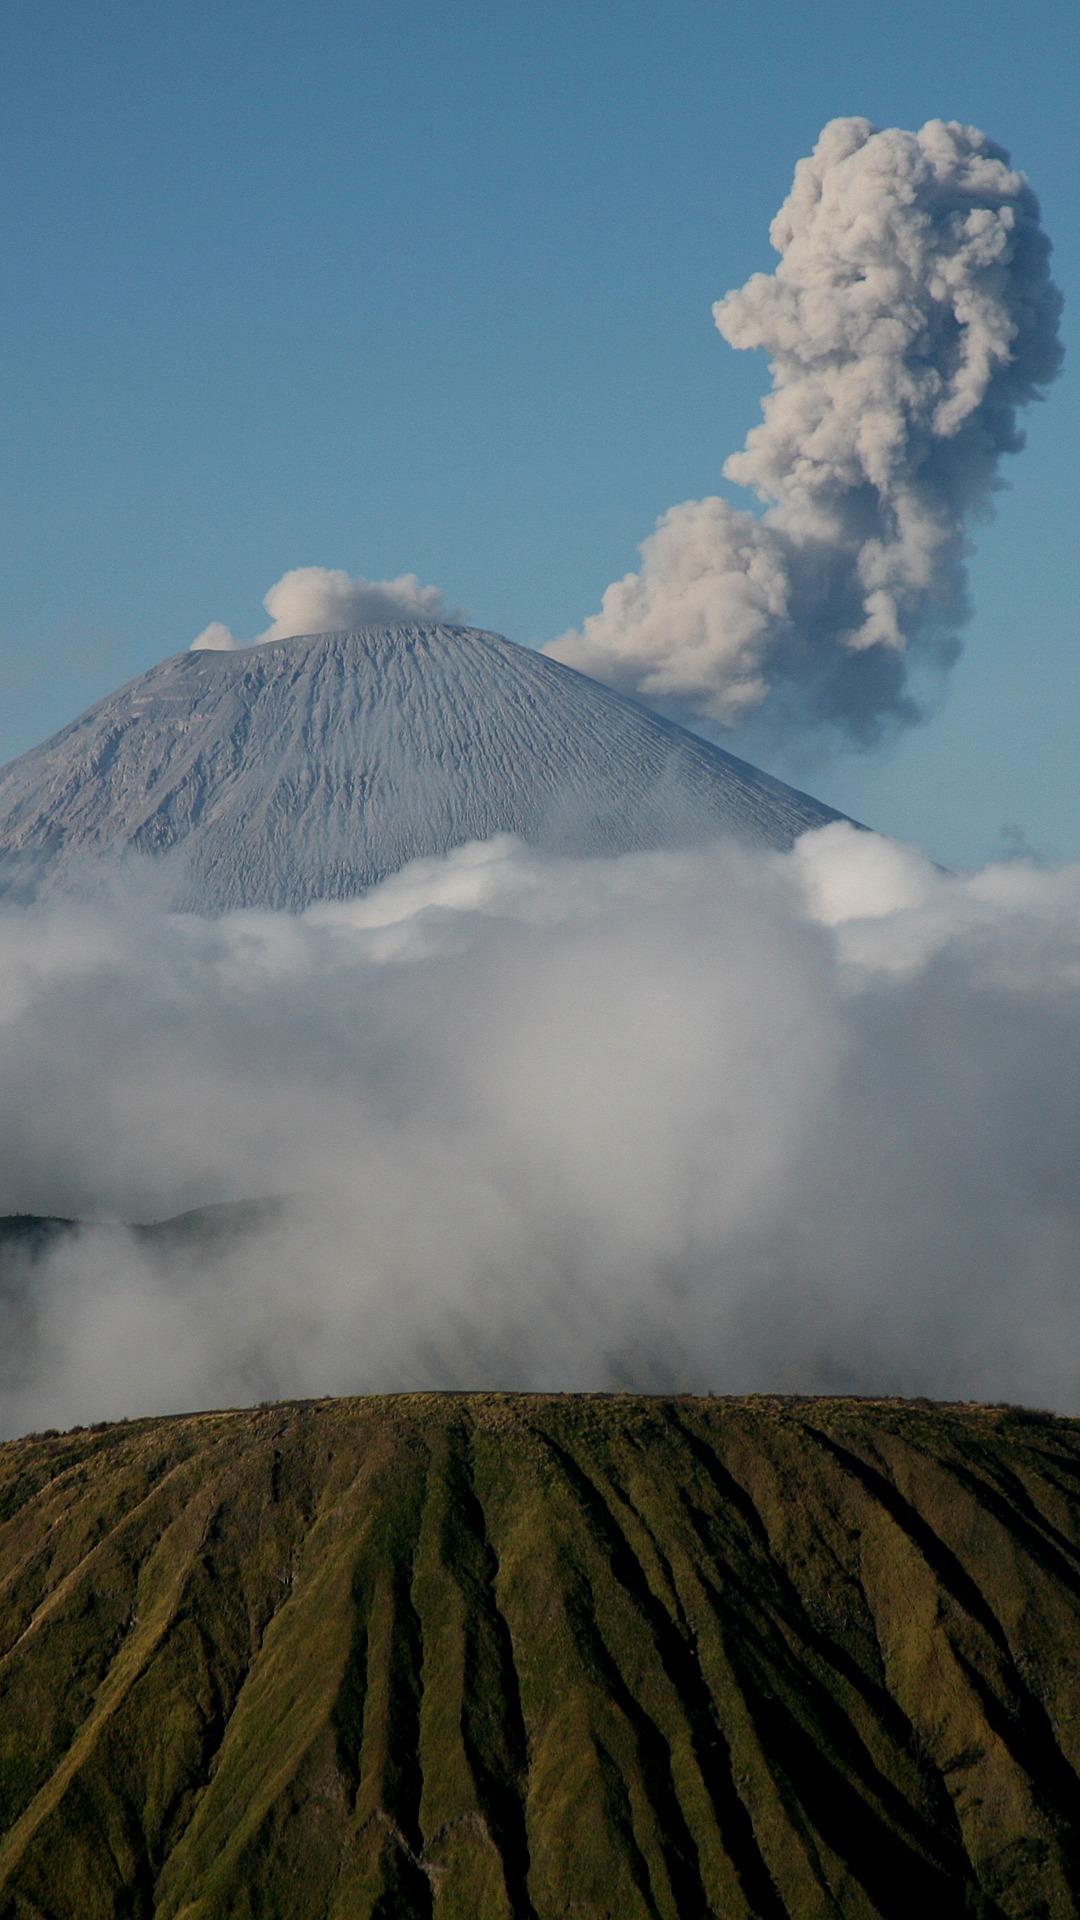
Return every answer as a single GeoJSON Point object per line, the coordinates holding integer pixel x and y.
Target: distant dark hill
{"type": "Point", "coordinates": [27, 1239]}
{"type": "Point", "coordinates": [495, 1657]}
{"type": "Point", "coordinates": [26, 1236]}
{"type": "Point", "coordinates": [308, 769]}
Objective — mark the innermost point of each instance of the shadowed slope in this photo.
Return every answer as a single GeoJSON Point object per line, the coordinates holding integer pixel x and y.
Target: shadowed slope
{"type": "Point", "coordinates": [501, 1657]}
{"type": "Point", "coordinates": [308, 769]}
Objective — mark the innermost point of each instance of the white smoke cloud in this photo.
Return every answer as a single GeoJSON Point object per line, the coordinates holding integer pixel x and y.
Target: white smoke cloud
{"type": "Point", "coordinates": [329, 600]}
{"type": "Point", "coordinates": [911, 315]}
{"type": "Point", "coordinates": [714, 1120]}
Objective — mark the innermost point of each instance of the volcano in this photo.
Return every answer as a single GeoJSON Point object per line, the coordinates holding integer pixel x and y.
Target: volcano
{"type": "Point", "coordinates": [521, 1657]}
{"type": "Point", "coordinates": [308, 769]}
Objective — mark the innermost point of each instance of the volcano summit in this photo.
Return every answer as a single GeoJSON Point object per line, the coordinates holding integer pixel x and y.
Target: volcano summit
{"type": "Point", "coordinates": [308, 769]}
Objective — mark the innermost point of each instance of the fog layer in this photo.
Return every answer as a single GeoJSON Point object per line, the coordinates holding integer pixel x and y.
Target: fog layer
{"type": "Point", "coordinates": [714, 1120]}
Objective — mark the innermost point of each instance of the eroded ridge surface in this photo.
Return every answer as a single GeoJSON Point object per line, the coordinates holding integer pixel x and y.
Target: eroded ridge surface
{"type": "Point", "coordinates": [522, 1657]}
{"type": "Point", "coordinates": [309, 769]}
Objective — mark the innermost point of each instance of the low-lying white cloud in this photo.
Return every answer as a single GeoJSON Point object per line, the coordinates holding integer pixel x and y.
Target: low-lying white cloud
{"type": "Point", "coordinates": [710, 1120]}
{"type": "Point", "coordinates": [911, 316]}
{"type": "Point", "coordinates": [329, 600]}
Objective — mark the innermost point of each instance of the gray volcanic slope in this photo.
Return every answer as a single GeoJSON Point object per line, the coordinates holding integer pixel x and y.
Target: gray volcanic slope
{"type": "Point", "coordinates": [307, 769]}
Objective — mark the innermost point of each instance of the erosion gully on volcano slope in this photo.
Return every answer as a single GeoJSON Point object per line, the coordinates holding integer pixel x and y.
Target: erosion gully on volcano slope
{"type": "Point", "coordinates": [308, 769]}
{"type": "Point", "coordinates": [516, 1657]}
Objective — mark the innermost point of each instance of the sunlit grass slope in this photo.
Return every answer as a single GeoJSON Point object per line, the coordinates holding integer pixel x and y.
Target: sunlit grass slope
{"type": "Point", "coordinates": [502, 1657]}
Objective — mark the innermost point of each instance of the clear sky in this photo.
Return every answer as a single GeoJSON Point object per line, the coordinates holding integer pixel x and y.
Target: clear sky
{"type": "Point", "coordinates": [427, 287]}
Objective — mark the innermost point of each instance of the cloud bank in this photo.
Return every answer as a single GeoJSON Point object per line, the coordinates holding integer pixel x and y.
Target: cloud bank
{"type": "Point", "coordinates": [329, 600]}
{"type": "Point", "coordinates": [711, 1120]}
{"type": "Point", "coordinates": [911, 316]}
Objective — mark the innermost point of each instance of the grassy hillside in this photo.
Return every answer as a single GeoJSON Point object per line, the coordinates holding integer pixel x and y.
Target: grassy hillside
{"type": "Point", "coordinates": [500, 1657]}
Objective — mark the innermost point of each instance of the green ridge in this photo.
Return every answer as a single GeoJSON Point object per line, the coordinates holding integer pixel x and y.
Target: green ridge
{"type": "Point", "coordinates": [513, 1657]}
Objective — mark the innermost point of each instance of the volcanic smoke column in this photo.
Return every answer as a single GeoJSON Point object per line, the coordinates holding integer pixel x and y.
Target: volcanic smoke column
{"type": "Point", "coordinates": [911, 315]}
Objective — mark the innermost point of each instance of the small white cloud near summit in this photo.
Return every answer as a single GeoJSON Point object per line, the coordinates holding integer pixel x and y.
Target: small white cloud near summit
{"type": "Point", "coordinates": [329, 600]}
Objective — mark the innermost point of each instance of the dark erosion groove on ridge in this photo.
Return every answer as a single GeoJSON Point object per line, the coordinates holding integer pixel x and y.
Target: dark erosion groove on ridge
{"type": "Point", "coordinates": [524, 1657]}
{"type": "Point", "coordinates": [309, 769]}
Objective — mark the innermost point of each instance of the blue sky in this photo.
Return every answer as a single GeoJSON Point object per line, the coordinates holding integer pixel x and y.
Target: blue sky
{"type": "Point", "coordinates": [428, 287]}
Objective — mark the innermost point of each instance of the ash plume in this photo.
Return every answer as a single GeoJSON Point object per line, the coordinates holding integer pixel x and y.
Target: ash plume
{"type": "Point", "coordinates": [329, 600]}
{"type": "Point", "coordinates": [911, 316]}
